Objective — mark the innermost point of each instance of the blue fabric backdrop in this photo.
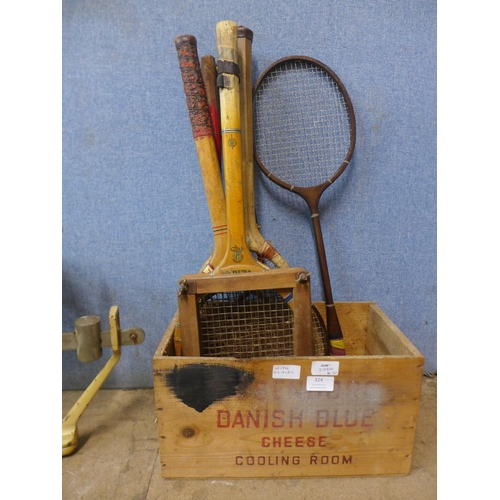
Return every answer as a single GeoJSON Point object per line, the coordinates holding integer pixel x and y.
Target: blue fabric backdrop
{"type": "Point", "coordinates": [134, 209]}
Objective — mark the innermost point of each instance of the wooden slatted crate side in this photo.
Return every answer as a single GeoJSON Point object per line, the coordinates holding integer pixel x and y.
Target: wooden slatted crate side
{"type": "Point", "coordinates": [370, 419]}
{"type": "Point", "coordinates": [232, 418]}
{"type": "Point", "coordinates": [384, 337]}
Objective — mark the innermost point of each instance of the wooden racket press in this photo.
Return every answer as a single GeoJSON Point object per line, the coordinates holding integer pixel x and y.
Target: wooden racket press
{"type": "Point", "coordinates": [246, 315]}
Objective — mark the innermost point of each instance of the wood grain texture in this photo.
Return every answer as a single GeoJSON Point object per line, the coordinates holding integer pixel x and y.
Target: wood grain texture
{"type": "Point", "coordinates": [188, 318]}
{"type": "Point", "coordinates": [256, 242]}
{"type": "Point", "coordinates": [203, 134]}
{"type": "Point", "coordinates": [238, 257]}
{"type": "Point", "coordinates": [209, 73]}
{"type": "Point", "coordinates": [274, 427]}
{"type": "Point", "coordinates": [283, 281]}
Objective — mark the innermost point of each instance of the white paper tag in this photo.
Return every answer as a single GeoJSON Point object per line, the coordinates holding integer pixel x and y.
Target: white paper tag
{"type": "Point", "coordinates": [325, 368]}
{"type": "Point", "coordinates": [320, 383]}
{"type": "Point", "coordinates": [286, 371]}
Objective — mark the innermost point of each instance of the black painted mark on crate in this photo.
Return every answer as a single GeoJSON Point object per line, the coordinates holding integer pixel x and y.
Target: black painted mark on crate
{"type": "Point", "coordinates": [200, 385]}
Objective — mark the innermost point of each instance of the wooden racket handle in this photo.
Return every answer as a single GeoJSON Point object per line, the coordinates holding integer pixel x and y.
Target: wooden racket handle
{"type": "Point", "coordinates": [201, 125]}
{"type": "Point", "coordinates": [335, 338]}
{"type": "Point", "coordinates": [209, 73]}
{"type": "Point", "coordinates": [238, 257]}
{"type": "Point", "coordinates": [255, 240]}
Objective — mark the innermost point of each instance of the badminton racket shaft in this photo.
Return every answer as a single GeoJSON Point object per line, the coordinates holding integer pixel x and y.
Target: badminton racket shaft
{"type": "Point", "coordinates": [333, 326]}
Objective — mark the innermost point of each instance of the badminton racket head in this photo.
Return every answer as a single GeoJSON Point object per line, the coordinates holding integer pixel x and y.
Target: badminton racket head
{"type": "Point", "coordinates": [304, 124]}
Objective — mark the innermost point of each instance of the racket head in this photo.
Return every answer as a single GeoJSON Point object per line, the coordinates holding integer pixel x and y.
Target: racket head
{"type": "Point", "coordinates": [303, 123]}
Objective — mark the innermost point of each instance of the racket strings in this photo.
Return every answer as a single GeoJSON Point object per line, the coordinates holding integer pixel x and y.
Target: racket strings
{"type": "Point", "coordinates": [302, 126]}
{"type": "Point", "coordinates": [251, 324]}
{"type": "Point", "coordinates": [245, 324]}
{"type": "Point", "coordinates": [320, 337]}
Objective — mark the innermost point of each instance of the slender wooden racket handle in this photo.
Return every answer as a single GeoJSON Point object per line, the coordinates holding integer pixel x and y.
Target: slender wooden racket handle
{"type": "Point", "coordinates": [201, 125]}
{"type": "Point", "coordinates": [335, 337]}
{"type": "Point", "coordinates": [256, 241]}
{"type": "Point", "coordinates": [238, 257]}
{"type": "Point", "coordinates": [209, 73]}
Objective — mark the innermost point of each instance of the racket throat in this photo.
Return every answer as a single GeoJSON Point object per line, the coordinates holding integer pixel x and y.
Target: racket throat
{"type": "Point", "coordinates": [332, 322]}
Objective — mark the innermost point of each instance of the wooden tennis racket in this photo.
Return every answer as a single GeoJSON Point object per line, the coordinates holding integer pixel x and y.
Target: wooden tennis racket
{"type": "Point", "coordinates": [244, 299]}
{"type": "Point", "coordinates": [277, 303]}
{"type": "Point", "coordinates": [304, 137]}
{"type": "Point", "coordinates": [256, 242]}
{"type": "Point", "coordinates": [238, 257]}
{"type": "Point", "coordinates": [201, 126]}
{"type": "Point", "coordinates": [255, 239]}
{"type": "Point", "coordinates": [209, 74]}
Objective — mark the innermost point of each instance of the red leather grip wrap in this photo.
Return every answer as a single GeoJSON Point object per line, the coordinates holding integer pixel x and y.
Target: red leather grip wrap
{"type": "Point", "coordinates": [194, 88]}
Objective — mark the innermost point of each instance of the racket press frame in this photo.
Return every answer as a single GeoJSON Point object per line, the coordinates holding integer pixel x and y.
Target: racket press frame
{"type": "Point", "coordinates": [294, 281]}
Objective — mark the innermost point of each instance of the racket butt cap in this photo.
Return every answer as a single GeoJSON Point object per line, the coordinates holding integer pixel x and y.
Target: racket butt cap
{"type": "Point", "coordinates": [182, 40]}
{"type": "Point", "coordinates": [244, 32]}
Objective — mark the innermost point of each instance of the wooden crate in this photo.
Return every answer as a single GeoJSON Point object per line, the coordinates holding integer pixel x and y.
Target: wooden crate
{"type": "Point", "coordinates": [292, 416]}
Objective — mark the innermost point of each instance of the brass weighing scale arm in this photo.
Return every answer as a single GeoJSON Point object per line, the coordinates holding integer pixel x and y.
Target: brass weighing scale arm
{"type": "Point", "coordinates": [88, 340]}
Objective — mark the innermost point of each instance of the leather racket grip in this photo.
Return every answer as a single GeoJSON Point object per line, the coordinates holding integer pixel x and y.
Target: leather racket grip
{"type": "Point", "coordinates": [194, 87]}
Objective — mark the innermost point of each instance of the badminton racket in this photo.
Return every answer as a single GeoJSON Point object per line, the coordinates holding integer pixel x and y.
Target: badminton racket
{"type": "Point", "coordinates": [304, 137]}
